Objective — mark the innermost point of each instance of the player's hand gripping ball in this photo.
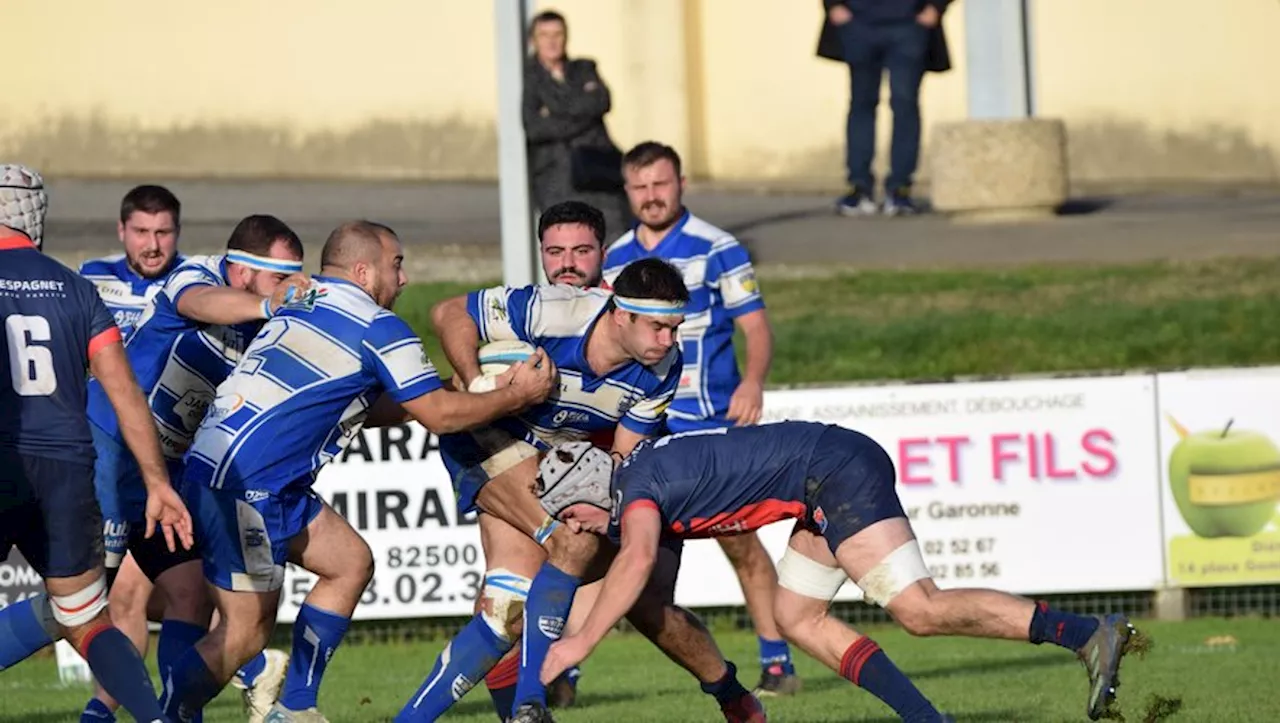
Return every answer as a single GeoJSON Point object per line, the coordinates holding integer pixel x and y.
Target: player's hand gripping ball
{"type": "Point", "coordinates": [495, 359]}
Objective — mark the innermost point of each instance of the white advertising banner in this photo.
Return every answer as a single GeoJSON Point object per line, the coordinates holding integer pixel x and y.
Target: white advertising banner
{"type": "Point", "coordinates": [1037, 486]}
{"type": "Point", "coordinates": [392, 487]}
{"type": "Point", "coordinates": [1219, 431]}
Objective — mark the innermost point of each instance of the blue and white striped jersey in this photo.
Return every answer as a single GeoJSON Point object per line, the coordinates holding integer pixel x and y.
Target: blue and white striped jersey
{"type": "Point", "coordinates": [124, 292]}
{"type": "Point", "coordinates": [303, 389]}
{"type": "Point", "coordinates": [178, 361]}
{"type": "Point", "coordinates": [560, 319]}
{"type": "Point", "coordinates": [722, 286]}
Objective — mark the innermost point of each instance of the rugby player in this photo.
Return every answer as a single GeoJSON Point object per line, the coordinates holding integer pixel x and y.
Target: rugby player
{"type": "Point", "coordinates": [56, 329]}
{"type": "Point", "coordinates": [724, 295]}
{"type": "Point", "coordinates": [839, 486]}
{"type": "Point", "coordinates": [185, 343]}
{"type": "Point", "coordinates": [301, 391]}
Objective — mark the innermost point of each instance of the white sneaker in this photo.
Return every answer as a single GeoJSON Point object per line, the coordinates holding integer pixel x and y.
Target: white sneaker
{"type": "Point", "coordinates": [281, 714]}
{"type": "Point", "coordinates": [259, 697]}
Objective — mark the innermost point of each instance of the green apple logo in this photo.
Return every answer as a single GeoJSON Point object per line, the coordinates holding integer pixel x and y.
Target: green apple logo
{"type": "Point", "coordinates": [1225, 482]}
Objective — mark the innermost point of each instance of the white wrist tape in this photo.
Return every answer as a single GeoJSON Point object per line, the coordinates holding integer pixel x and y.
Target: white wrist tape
{"type": "Point", "coordinates": [809, 578]}
{"type": "Point", "coordinates": [81, 607]}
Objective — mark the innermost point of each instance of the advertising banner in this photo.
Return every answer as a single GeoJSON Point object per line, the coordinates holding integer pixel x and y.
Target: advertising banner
{"type": "Point", "coordinates": [1220, 465]}
{"type": "Point", "coordinates": [1037, 486]}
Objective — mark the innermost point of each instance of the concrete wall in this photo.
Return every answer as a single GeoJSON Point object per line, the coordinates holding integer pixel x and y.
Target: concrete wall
{"type": "Point", "coordinates": [1152, 91]}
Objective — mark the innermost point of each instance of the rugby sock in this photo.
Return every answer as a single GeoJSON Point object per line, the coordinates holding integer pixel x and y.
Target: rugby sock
{"type": "Point", "coordinates": [316, 634]}
{"type": "Point", "coordinates": [776, 654]}
{"type": "Point", "coordinates": [462, 663]}
{"type": "Point", "coordinates": [250, 671]}
{"type": "Point", "coordinates": [24, 629]}
{"type": "Point", "coordinates": [727, 689]}
{"type": "Point", "coordinates": [95, 711]}
{"type": "Point", "coordinates": [118, 667]}
{"type": "Point", "coordinates": [865, 665]}
{"type": "Point", "coordinates": [550, 597]}
{"type": "Point", "coordinates": [501, 682]}
{"type": "Point", "coordinates": [175, 637]}
{"type": "Point", "coordinates": [189, 685]}
{"type": "Point", "coordinates": [1065, 629]}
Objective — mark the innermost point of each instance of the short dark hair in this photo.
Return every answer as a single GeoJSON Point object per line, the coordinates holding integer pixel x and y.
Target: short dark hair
{"type": "Point", "coordinates": [572, 212]}
{"type": "Point", "coordinates": [651, 278]}
{"type": "Point", "coordinates": [150, 199]}
{"type": "Point", "coordinates": [257, 233]}
{"type": "Point", "coordinates": [353, 241]}
{"type": "Point", "coordinates": [547, 16]}
{"type": "Point", "coordinates": [649, 153]}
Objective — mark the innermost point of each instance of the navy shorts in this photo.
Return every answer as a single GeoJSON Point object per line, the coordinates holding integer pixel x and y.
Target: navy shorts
{"type": "Point", "coordinates": [852, 482]}
{"type": "Point", "coordinates": [48, 511]}
{"type": "Point", "coordinates": [122, 496]}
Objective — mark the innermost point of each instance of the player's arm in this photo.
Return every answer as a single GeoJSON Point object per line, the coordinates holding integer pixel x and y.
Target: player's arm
{"type": "Point", "coordinates": [747, 402]}
{"type": "Point", "coordinates": [625, 440]}
{"type": "Point", "coordinates": [387, 412]}
{"type": "Point", "coordinates": [459, 336]}
{"type": "Point", "coordinates": [647, 418]}
{"type": "Point", "coordinates": [444, 411]}
{"type": "Point", "coordinates": [210, 304]}
{"type": "Point", "coordinates": [110, 367]}
{"type": "Point", "coordinates": [623, 583]}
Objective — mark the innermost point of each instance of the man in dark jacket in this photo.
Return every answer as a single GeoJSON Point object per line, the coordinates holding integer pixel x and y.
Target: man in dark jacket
{"type": "Point", "coordinates": [904, 37]}
{"type": "Point", "coordinates": [571, 156]}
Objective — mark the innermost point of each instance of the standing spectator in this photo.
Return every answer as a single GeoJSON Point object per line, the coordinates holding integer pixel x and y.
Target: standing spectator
{"type": "Point", "coordinates": [904, 37]}
{"type": "Point", "coordinates": [722, 294]}
{"type": "Point", "coordinates": [571, 156]}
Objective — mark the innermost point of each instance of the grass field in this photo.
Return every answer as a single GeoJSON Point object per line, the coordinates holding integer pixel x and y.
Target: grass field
{"type": "Point", "coordinates": [943, 324]}
{"type": "Point", "coordinates": [1218, 667]}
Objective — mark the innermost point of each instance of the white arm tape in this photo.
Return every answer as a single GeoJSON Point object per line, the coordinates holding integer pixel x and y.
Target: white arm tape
{"type": "Point", "coordinates": [80, 607]}
{"type": "Point", "coordinates": [806, 577]}
{"type": "Point", "coordinates": [895, 573]}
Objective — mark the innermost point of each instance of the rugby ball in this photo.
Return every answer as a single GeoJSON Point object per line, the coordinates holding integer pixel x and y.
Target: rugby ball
{"type": "Point", "coordinates": [495, 358]}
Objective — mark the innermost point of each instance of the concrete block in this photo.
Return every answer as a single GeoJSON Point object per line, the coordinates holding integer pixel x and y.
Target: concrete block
{"type": "Point", "coordinates": [991, 170]}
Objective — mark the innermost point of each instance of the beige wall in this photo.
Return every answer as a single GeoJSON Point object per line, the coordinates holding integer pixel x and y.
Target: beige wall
{"type": "Point", "coordinates": [1151, 89]}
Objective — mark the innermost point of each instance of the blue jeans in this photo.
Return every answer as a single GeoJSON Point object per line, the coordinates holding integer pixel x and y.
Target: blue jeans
{"type": "Point", "coordinates": [900, 48]}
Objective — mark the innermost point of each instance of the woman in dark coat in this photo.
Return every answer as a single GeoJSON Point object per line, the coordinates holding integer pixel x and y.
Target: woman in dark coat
{"type": "Point", "coordinates": [571, 156]}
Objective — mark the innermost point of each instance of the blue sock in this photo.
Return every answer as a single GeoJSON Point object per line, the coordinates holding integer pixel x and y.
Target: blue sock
{"type": "Point", "coordinates": [24, 629]}
{"type": "Point", "coordinates": [316, 634]}
{"type": "Point", "coordinates": [95, 711]}
{"type": "Point", "coordinates": [250, 671]}
{"type": "Point", "coordinates": [189, 685]}
{"type": "Point", "coordinates": [865, 665]}
{"type": "Point", "coordinates": [775, 654]}
{"type": "Point", "coordinates": [550, 597]}
{"type": "Point", "coordinates": [727, 689]}
{"type": "Point", "coordinates": [462, 663]}
{"type": "Point", "coordinates": [1065, 629]}
{"type": "Point", "coordinates": [176, 637]}
{"type": "Point", "coordinates": [118, 667]}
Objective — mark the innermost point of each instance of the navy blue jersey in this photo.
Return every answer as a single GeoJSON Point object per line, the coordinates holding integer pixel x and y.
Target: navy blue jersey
{"type": "Point", "coordinates": [716, 482]}
{"type": "Point", "coordinates": [53, 324]}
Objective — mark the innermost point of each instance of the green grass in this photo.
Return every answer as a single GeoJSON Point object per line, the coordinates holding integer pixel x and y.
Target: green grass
{"type": "Point", "coordinates": [628, 680]}
{"type": "Point", "coordinates": [944, 324]}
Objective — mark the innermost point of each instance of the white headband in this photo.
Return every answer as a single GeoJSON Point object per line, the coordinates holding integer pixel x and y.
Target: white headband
{"type": "Point", "coordinates": [262, 263]}
{"type": "Point", "coordinates": [649, 307]}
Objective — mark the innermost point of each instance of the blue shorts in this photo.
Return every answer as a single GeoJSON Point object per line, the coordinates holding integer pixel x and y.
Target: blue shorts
{"type": "Point", "coordinates": [475, 457]}
{"type": "Point", "coordinates": [122, 496]}
{"type": "Point", "coordinates": [48, 511]}
{"type": "Point", "coordinates": [856, 486]}
{"type": "Point", "coordinates": [245, 534]}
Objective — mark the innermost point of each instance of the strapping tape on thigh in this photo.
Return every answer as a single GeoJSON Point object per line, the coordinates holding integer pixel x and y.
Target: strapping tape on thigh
{"type": "Point", "coordinates": [80, 607]}
{"type": "Point", "coordinates": [895, 573]}
{"type": "Point", "coordinates": [809, 578]}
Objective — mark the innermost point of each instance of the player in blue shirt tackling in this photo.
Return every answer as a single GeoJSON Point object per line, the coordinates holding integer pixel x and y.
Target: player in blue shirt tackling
{"type": "Point", "coordinates": [838, 485]}
{"type": "Point", "coordinates": [332, 359]}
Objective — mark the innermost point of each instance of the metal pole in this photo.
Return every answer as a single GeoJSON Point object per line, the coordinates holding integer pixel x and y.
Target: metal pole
{"type": "Point", "coordinates": [510, 18]}
{"type": "Point", "coordinates": [997, 42]}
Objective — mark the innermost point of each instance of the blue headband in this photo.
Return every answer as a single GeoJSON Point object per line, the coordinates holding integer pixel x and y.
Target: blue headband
{"type": "Point", "coordinates": [281, 266]}
{"type": "Point", "coordinates": [649, 307]}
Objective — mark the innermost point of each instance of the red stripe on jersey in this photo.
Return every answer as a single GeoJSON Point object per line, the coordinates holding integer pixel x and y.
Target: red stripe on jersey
{"type": "Point", "coordinates": [639, 505]}
{"type": "Point", "coordinates": [9, 243]}
{"type": "Point", "coordinates": [105, 338]}
{"type": "Point", "coordinates": [745, 519]}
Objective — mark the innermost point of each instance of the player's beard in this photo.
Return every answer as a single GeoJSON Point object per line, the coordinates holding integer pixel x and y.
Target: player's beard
{"type": "Point", "coordinates": [156, 264]}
